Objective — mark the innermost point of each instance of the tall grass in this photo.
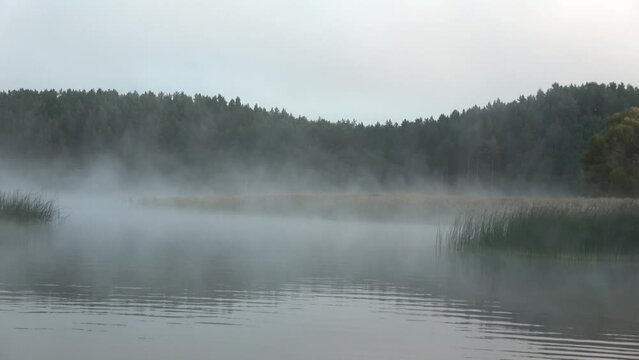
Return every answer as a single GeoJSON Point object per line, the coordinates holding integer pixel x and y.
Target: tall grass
{"type": "Point", "coordinates": [26, 207]}
{"type": "Point", "coordinates": [590, 228]}
{"type": "Point", "coordinates": [413, 207]}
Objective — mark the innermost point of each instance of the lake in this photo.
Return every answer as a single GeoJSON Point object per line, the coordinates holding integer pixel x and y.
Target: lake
{"type": "Point", "coordinates": [116, 281]}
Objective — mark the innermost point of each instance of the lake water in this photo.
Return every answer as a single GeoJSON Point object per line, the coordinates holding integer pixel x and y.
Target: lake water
{"type": "Point", "coordinates": [113, 281]}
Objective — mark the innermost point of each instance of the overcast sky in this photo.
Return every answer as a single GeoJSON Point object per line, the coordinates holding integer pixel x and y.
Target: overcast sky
{"type": "Point", "coordinates": [367, 60]}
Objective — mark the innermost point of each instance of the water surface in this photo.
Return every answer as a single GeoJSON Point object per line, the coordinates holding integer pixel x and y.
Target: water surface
{"type": "Point", "coordinates": [115, 281]}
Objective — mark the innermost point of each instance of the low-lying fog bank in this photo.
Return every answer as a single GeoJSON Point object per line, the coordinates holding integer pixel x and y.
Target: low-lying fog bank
{"type": "Point", "coordinates": [204, 249]}
{"type": "Point", "coordinates": [107, 242]}
{"type": "Point", "coordinates": [477, 219]}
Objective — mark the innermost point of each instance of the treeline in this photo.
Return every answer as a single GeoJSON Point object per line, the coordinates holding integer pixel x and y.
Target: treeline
{"type": "Point", "coordinates": [535, 141]}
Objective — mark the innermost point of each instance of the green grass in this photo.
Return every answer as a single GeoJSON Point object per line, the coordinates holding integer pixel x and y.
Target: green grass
{"type": "Point", "coordinates": [583, 228]}
{"type": "Point", "coordinates": [27, 207]}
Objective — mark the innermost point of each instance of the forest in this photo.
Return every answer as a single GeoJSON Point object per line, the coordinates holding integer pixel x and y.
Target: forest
{"type": "Point", "coordinates": [533, 142]}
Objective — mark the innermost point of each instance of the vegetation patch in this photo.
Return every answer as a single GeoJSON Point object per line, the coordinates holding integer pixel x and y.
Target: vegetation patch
{"type": "Point", "coordinates": [611, 161]}
{"type": "Point", "coordinates": [594, 228]}
{"type": "Point", "coordinates": [531, 143]}
{"type": "Point", "coordinates": [27, 207]}
{"type": "Point", "coordinates": [378, 206]}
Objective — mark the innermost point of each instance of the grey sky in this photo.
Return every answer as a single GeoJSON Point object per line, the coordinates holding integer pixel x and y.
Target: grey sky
{"type": "Point", "coordinates": [365, 60]}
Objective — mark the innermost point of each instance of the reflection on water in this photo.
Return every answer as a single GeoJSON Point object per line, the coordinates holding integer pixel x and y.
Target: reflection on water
{"type": "Point", "coordinates": [164, 285]}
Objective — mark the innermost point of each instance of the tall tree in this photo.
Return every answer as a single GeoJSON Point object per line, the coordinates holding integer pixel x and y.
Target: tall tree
{"type": "Point", "coordinates": [611, 162]}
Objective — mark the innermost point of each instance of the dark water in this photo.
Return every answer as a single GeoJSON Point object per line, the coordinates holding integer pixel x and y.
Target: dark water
{"type": "Point", "coordinates": [116, 282]}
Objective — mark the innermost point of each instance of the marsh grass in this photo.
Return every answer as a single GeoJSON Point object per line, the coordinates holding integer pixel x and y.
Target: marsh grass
{"type": "Point", "coordinates": [27, 207]}
{"type": "Point", "coordinates": [587, 228]}
{"type": "Point", "coordinates": [411, 207]}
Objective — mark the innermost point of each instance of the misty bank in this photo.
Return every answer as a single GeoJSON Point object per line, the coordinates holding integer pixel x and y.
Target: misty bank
{"type": "Point", "coordinates": [546, 226]}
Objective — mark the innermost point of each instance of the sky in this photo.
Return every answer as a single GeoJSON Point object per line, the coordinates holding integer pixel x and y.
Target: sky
{"type": "Point", "coordinates": [363, 60]}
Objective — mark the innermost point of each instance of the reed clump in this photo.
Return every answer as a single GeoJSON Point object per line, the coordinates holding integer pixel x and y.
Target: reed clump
{"type": "Point", "coordinates": [27, 207]}
{"type": "Point", "coordinates": [587, 228]}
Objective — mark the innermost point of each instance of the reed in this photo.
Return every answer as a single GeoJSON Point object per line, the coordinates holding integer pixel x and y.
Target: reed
{"type": "Point", "coordinates": [27, 207]}
{"type": "Point", "coordinates": [412, 207]}
{"type": "Point", "coordinates": [587, 228]}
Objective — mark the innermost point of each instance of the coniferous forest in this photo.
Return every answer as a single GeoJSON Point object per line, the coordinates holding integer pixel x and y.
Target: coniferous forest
{"type": "Point", "coordinates": [535, 141]}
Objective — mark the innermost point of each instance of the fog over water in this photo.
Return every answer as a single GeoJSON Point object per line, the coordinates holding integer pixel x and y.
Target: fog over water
{"type": "Point", "coordinates": [116, 279]}
{"type": "Point", "coordinates": [205, 226]}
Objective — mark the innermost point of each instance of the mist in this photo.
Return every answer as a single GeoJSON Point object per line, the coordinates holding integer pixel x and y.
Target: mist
{"type": "Point", "coordinates": [111, 267]}
{"type": "Point", "coordinates": [303, 180]}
